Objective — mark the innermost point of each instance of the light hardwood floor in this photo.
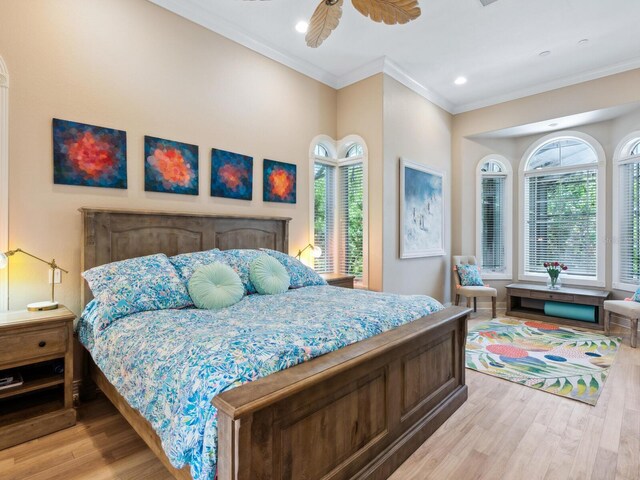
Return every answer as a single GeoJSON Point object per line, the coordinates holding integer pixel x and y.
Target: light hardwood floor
{"type": "Point", "coordinates": [504, 431]}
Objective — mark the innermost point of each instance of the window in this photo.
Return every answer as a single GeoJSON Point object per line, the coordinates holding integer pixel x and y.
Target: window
{"type": "Point", "coordinates": [339, 208]}
{"type": "Point", "coordinates": [4, 180]}
{"type": "Point", "coordinates": [494, 213]}
{"type": "Point", "coordinates": [626, 258]}
{"type": "Point", "coordinates": [563, 203]}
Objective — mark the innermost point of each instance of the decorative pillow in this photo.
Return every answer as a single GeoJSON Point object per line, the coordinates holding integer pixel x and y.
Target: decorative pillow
{"type": "Point", "coordinates": [187, 263]}
{"type": "Point", "coordinates": [300, 274]}
{"type": "Point", "coordinates": [469, 276]}
{"type": "Point", "coordinates": [240, 261]}
{"type": "Point", "coordinates": [269, 276]}
{"type": "Point", "coordinates": [136, 285]}
{"type": "Point", "coordinates": [215, 286]}
{"type": "Point", "coordinates": [636, 296]}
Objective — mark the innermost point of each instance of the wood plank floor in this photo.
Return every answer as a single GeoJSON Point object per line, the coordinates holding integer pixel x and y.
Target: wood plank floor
{"type": "Point", "coordinates": [504, 431]}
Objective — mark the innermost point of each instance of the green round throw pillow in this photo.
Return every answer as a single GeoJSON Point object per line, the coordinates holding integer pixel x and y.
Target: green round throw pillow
{"type": "Point", "coordinates": [215, 286]}
{"type": "Point", "coordinates": [269, 276]}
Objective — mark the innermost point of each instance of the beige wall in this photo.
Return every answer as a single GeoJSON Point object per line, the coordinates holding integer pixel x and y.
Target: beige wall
{"type": "Point", "coordinates": [360, 113]}
{"type": "Point", "coordinates": [468, 150]}
{"type": "Point", "coordinates": [416, 129]}
{"type": "Point", "coordinates": [131, 65]}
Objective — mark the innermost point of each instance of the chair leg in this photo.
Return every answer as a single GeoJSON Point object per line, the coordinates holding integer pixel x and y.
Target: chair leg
{"type": "Point", "coordinates": [607, 322]}
{"type": "Point", "coordinates": [468, 302]}
{"type": "Point", "coordinates": [493, 307]}
{"type": "Point", "coordinates": [457, 299]}
{"type": "Point", "coordinates": [634, 332]}
{"type": "Point", "coordinates": [475, 304]}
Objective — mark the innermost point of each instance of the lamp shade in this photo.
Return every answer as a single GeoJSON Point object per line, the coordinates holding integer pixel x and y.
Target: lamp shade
{"type": "Point", "coordinates": [4, 261]}
{"type": "Point", "coordinates": [317, 252]}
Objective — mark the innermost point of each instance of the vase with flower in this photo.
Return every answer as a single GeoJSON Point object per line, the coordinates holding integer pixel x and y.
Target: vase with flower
{"type": "Point", "coordinates": [554, 269]}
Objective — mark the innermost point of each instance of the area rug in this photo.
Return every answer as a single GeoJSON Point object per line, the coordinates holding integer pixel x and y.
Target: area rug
{"type": "Point", "coordinates": [556, 359]}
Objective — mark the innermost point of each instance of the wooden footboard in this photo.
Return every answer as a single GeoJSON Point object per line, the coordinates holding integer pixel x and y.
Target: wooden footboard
{"type": "Point", "coordinates": [355, 413]}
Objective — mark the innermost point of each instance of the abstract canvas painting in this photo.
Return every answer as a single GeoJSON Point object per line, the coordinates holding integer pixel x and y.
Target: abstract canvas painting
{"type": "Point", "coordinates": [89, 155]}
{"type": "Point", "coordinates": [170, 167]}
{"type": "Point", "coordinates": [231, 175]}
{"type": "Point", "coordinates": [421, 211]}
{"type": "Point", "coordinates": [279, 182]}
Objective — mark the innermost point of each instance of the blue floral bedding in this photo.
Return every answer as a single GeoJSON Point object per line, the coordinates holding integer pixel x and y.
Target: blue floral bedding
{"type": "Point", "coordinates": [169, 364]}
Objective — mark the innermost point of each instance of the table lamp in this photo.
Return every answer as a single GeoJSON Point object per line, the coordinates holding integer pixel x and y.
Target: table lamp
{"type": "Point", "coordinates": [317, 251]}
{"type": "Point", "coordinates": [37, 306]}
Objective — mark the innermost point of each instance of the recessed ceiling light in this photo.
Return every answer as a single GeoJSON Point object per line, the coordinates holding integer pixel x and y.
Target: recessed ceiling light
{"type": "Point", "coordinates": [302, 27]}
{"type": "Point", "coordinates": [584, 41]}
{"type": "Point", "coordinates": [460, 81]}
{"type": "Point", "coordinates": [545, 53]}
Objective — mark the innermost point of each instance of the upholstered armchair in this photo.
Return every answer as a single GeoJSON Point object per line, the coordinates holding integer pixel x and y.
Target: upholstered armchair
{"type": "Point", "coordinates": [627, 309]}
{"type": "Point", "coordinates": [472, 292]}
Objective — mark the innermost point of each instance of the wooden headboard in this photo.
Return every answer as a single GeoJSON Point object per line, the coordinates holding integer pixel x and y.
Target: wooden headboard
{"type": "Point", "coordinates": [112, 235]}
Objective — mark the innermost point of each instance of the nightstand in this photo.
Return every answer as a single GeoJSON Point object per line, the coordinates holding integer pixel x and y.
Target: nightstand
{"type": "Point", "coordinates": [43, 403]}
{"type": "Point", "coordinates": [339, 280]}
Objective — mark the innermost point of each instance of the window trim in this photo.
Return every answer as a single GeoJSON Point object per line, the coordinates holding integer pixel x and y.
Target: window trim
{"type": "Point", "coordinates": [508, 221]}
{"type": "Point", "coordinates": [338, 150]}
{"type": "Point", "coordinates": [600, 280]}
{"type": "Point", "coordinates": [621, 157]}
{"type": "Point", "coordinates": [4, 180]}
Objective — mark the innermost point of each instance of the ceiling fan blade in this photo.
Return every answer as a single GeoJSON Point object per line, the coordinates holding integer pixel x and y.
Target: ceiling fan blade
{"type": "Point", "coordinates": [390, 12]}
{"type": "Point", "coordinates": [324, 21]}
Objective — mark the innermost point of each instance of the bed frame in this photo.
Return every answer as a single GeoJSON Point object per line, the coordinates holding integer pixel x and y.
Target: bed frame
{"type": "Point", "coordinates": [355, 413]}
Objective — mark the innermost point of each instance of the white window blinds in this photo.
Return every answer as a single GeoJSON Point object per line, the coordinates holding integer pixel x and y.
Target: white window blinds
{"type": "Point", "coordinates": [630, 222]}
{"type": "Point", "coordinates": [493, 224]}
{"type": "Point", "coordinates": [324, 216]}
{"type": "Point", "coordinates": [350, 205]}
{"type": "Point", "coordinates": [561, 221]}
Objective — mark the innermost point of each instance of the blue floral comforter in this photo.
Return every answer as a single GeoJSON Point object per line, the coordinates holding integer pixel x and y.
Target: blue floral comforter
{"type": "Point", "coordinates": [169, 364]}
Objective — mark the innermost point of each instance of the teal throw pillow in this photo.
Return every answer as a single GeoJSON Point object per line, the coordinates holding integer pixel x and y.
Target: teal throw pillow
{"type": "Point", "coordinates": [215, 286]}
{"type": "Point", "coordinates": [636, 296]}
{"type": "Point", "coordinates": [269, 276]}
{"type": "Point", "coordinates": [470, 276]}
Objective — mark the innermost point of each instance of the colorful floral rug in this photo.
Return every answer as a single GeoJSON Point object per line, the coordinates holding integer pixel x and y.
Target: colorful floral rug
{"type": "Point", "coordinates": [555, 359]}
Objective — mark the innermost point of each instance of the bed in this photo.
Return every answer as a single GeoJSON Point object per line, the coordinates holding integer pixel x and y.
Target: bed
{"type": "Point", "coordinates": [362, 403]}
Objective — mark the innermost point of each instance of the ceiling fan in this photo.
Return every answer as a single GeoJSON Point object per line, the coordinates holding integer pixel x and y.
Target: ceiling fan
{"type": "Point", "coordinates": [328, 13]}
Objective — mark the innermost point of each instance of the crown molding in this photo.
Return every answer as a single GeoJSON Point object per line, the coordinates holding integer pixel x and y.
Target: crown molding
{"type": "Point", "coordinates": [551, 85]}
{"type": "Point", "coordinates": [397, 73]}
{"type": "Point", "coordinates": [195, 12]}
{"type": "Point", "coordinates": [203, 17]}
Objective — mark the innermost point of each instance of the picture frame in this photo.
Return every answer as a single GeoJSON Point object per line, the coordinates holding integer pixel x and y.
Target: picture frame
{"type": "Point", "coordinates": [422, 213]}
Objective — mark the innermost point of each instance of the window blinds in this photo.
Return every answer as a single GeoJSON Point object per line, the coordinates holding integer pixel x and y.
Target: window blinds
{"type": "Point", "coordinates": [630, 222]}
{"type": "Point", "coordinates": [493, 233]}
{"type": "Point", "coordinates": [350, 206]}
{"type": "Point", "coordinates": [324, 216]}
{"type": "Point", "coordinates": [561, 221]}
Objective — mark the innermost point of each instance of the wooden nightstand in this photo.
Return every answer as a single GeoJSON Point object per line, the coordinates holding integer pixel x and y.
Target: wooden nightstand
{"type": "Point", "coordinates": [43, 404]}
{"type": "Point", "coordinates": [339, 280]}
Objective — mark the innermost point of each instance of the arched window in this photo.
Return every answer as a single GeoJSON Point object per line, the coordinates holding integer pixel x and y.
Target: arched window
{"type": "Point", "coordinates": [340, 224]}
{"type": "Point", "coordinates": [494, 214]}
{"type": "Point", "coordinates": [4, 179]}
{"type": "Point", "coordinates": [626, 214]}
{"type": "Point", "coordinates": [562, 216]}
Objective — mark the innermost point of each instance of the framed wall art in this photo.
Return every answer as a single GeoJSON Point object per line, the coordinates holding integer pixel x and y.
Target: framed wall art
{"type": "Point", "coordinates": [170, 167]}
{"type": "Point", "coordinates": [88, 155]}
{"type": "Point", "coordinates": [421, 211]}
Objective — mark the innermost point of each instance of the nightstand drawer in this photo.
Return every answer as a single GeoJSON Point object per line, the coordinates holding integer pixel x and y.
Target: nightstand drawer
{"type": "Point", "coordinates": [23, 346]}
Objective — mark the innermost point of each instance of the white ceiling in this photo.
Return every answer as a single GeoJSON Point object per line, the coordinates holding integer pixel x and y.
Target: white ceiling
{"type": "Point", "coordinates": [495, 47]}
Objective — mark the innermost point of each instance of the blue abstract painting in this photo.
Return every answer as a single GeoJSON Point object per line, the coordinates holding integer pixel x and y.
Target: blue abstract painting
{"type": "Point", "coordinates": [279, 182]}
{"type": "Point", "coordinates": [89, 155]}
{"type": "Point", "coordinates": [231, 175]}
{"type": "Point", "coordinates": [421, 211]}
{"type": "Point", "coordinates": [170, 167]}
